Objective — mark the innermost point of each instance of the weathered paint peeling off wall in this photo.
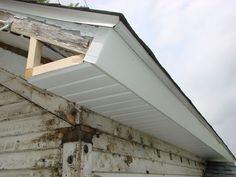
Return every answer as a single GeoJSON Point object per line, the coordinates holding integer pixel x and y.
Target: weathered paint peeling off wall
{"type": "Point", "coordinates": [95, 161]}
{"type": "Point", "coordinates": [36, 141]}
{"type": "Point", "coordinates": [58, 106]}
{"type": "Point", "coordinates": [30, 140]}
{"type": "Point", "coordinates": [116, 129]}
{"type": "Point", "coordinates": [119, 149]}
{"type": "Point", "coordinates": [29, 173]}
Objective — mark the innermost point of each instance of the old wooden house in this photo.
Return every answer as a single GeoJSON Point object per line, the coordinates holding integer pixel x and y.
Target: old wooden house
{"type": "Point", "coordinates": [81, 95]}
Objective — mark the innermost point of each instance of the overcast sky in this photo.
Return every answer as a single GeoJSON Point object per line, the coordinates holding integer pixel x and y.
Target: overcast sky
{"type": "Point", "coordinates": [195, 41]}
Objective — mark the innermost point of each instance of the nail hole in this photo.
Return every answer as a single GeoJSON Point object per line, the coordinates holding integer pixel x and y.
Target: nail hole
{"type": "Point", "coordinates": [171, 157]}
{"type": "Point", "coordinates": [70, 159]}
{"type": "Point", "coordinates": [158, 153]}
{"type": "Point", "coordinates": [86, 149]}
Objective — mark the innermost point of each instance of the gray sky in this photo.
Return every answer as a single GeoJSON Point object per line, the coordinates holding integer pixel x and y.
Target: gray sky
{"type": "Point", "coordinates": [195, 40]}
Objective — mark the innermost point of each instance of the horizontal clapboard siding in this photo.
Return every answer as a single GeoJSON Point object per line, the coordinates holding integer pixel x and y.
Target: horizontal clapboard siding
{"type": "Point", "coordinates": [114, 145]}
{"type": "Point", "coordinates": [30, 144]}
{"type": "Point", "coordinates": [122, 151]}
{"type": "Point", "coordinates": [28, 173]}
{"type": "Point", "coordinates": [116, 156]}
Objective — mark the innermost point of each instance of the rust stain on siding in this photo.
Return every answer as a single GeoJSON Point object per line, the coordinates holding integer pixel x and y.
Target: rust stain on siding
{"type": "Point", "coordinates": [128, 160]}
{"type": "Point", "coordinates": [69, 115]}
{"type": "Point", "coordinates": [68, 134]}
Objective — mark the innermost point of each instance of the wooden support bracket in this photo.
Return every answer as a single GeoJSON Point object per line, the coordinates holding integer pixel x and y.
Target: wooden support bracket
{"type": "Point", "coordinates": [34, 56]}
{"type": "Point", "coordinates": [35, 53]}
{"type": "Point", "coordinates": [34, 66]}
{"type": "Point", "coordinates": [52, 34]}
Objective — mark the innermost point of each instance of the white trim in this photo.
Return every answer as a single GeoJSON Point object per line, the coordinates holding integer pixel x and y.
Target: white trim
{"type": "Point", "coordinates": [132, 42]}
{"type": "Point", "coordinates": [70, 15]}
{"type": "Point", "coordinates": [142, 81]}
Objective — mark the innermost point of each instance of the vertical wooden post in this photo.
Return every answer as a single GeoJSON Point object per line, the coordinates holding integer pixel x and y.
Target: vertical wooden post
{"type": "Point", "coordinates": [34, 56]}
{"type": "Point", "coordinates": [71, 159]}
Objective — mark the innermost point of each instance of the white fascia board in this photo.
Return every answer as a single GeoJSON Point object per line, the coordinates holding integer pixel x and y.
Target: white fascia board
{"type": "Point", "coordinates": [132, 42]}
{"type": "Point", "coordinates": [126, 35]}
{"type": "Point", "coordinates": [63, 14]}
{"type": "Point", "coordinates": [97, 44]}
{"type": "Point", "coordinates": [116, 58]}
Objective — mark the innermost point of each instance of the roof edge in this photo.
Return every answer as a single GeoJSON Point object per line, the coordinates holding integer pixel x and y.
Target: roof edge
{"type": "Point", "coordinates": [76, 15]}
{"type": "Point", "coordinates": [149, 59]}
{"type": "Point", "coordinates": [113, 19]}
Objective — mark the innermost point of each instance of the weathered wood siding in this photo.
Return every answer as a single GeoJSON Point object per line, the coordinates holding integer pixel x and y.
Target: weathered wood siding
{"type": "Point", "coordinates": [118, 150]}
{"type": "Point", "coordinates": [36, 140]}
{"type": "Point", "coordinates": [30, 144]}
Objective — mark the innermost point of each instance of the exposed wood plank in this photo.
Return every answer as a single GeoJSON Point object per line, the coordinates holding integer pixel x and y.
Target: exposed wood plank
{"type": "Point", "coordinates": [67, 39]}
{"type": "Point", "coordinates": [5, 16]}
{"type": "Point", "coordinates": [71, 40]}
{"type": "Point", "coordinates": [30, 160]}
{"type": "Point", "coordinates": [48, 101]}
{"type": "Point", "coordinates": [66, 62]}
{"type": "Point", "coordinates": [34, 56]}
{"type": "Point", "coordinates": [35, 53]}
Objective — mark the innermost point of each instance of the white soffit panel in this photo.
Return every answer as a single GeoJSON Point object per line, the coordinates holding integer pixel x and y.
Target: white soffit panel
{"type": "Point", "coordinates": [115, 82]}
{"type": "Point", "coordinates": [89, 86]}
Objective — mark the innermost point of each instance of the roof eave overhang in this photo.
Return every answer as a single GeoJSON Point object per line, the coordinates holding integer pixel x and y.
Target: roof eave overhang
{"type": "Point", "coordinates": [195, 126]}
{"type": "Point", "coordinates": [122, 28]}
{"type": "Point", "coordinates": [162, 74]}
